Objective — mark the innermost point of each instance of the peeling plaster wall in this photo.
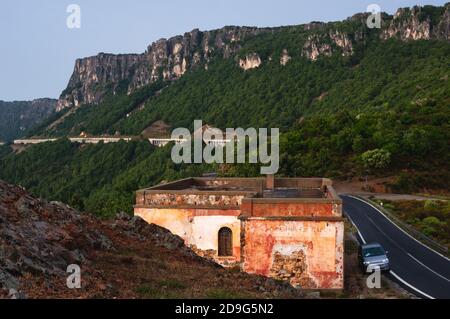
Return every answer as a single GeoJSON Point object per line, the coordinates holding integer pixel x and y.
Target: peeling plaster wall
{"type": "Point", "coordinates": [206, 199]}
{"type": "Point", "coordinates": [307, 253]}
{"type": "Point", "coordinates": [175, 220]}
{"type": "Point", "coordinates": [198, 227]}
{"type": "Point", "coordinates": [280, 208]}
{"type": "Point", "coordinates": [205, 232]}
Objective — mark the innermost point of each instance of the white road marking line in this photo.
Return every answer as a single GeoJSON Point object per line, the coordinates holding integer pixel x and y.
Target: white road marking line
{"type": "Point", "coordinates": [407, 253]}
{"type": "Point", "coordinates": [404, 251]}
{"type": "Point", "coordinates": [448, 259]}
{"type": "Point", "coordinates": [409, 285]}
{"type": "Point", "coordinates": [419, 262]}
{"type": "Point", "coordinates": [390, 271]}
{"type": "Point", "coordinates": [354, 225]}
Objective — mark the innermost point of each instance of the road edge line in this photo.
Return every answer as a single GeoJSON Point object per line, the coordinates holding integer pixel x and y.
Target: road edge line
{"type": "Point", "coordinates": [354, 225]}
{"type": "Point", "coordinates": [390, 271]}
{"type": "Point", "coordinates": [425, 266]}
{"type": "Point", "coordinates": [409, 285]}
{"type": "Point", "coordinates": [404, 231]}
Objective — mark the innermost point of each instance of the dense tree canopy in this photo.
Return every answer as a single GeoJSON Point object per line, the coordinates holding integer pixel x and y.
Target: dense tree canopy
{"type": "Point", "coordinates": [386, 108]}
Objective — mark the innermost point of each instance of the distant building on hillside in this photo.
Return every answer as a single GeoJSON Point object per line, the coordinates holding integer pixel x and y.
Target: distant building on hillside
{"type": "Point", "coordinates": [217, 142]}
{"type": "Point", "coordinates": [286, 228]}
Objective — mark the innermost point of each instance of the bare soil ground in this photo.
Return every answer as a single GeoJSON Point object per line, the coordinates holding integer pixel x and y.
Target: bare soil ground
{"type": "Point", "coordinates": [159, 129]}
{"type": "Point", "coordinates": [127, 258]}
{"type": "Point", "coordinates": [376, 188]}
{"type": "Point", "coordinates": [121, 258]}
{"type": "Point", "coordinates": [360, 185]}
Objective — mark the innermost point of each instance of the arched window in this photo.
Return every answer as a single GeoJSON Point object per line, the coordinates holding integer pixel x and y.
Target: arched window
{"type": "Point", "coordinates": [225, 242]}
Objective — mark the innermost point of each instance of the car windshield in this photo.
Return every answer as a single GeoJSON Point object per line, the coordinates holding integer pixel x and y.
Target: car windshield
{"type": "Point", "coordinates": [373, 251]}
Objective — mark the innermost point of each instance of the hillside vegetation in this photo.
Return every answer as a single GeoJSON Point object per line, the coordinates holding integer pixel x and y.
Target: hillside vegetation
{"type": "Point", "coordinates": [16, 118]}
{"type": "Point", "coordinates": [384, 110]}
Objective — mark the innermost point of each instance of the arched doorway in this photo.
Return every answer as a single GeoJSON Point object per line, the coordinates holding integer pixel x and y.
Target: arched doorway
{"type": "Point", "coordinates": [225, 242]}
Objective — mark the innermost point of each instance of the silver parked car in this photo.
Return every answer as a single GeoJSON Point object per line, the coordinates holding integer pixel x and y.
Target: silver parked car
{"type": "Point", "coordinates": [373, 256]}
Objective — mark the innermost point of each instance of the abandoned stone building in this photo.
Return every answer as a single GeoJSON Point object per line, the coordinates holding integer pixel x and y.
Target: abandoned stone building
{"type": "Point", "coordinates": [286, 228]}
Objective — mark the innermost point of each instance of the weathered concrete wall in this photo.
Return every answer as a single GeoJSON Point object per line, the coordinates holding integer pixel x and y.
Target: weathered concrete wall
{"type": "Point", "coordinates": [286, 208]}
{"type": "Point", "coordinates": [82, 140]}
{"type": "Point", "coordinates": [96, 140]}
{"type": "Point", "coordinates": [199, 228]}
{"type": "Point", "coordinates": [205, 236]}
{"type": "Point", "coordinates": [175, 220]}
{"type": "Point", "coordinates": [206, 199]}
{"type": "Point", "coordinates": [299, 239]}
{"type": "Point", "coordinates": [255, 184]}
{"type": "Point", "coordinates": [34, 141]}
{"type": "Point", "coordinates": [309, 254]}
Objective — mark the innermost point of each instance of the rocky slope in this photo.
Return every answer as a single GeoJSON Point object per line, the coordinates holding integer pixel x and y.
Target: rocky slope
{"type": "Point", "coordinates": [418, 24]}
{"type": "Point", "coordinates": [16, 117]}
{"type": "Point", "coordinates": [124, 258]}
{"type": "Point", "coordinates": [170, 59]}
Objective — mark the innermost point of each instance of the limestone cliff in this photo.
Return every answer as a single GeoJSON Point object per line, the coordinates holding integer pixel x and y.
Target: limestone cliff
{"type": "Point", "coordinates": [417, 24]}
{"type": "Point", "coordinates": [285, 57]}
{"type": "Point", "coordinates": [164, 59]}
{"type": "Point", "coordinates": [169, 59]}
{"type": "Point", "coordinates": [250, 61]}
{"type": "Point", "coordinates": [90, 73]}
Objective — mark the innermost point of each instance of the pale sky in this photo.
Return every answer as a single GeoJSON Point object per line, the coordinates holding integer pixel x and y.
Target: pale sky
{"type": "Point", "coordinates": [38, 51]}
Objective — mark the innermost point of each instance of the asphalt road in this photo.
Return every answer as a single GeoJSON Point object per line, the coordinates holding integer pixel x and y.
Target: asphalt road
{"type": "Point", "coordinates": [416, 267]}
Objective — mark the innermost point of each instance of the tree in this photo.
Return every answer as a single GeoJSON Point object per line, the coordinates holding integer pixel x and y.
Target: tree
{"type": "Point", "coordinates": [418, 141]}
{"type": "Point", "coordinates": [431, 225]}
{"type": "Point", "coordinates": [376, 159]}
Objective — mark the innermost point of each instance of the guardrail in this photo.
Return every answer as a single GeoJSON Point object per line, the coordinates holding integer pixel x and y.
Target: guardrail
{"type": "Point", "coordinates": [408, 228]}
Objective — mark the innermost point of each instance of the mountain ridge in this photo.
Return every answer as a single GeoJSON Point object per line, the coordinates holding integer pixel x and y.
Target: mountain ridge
{"type": "Point", "coordinates": [169, 59]}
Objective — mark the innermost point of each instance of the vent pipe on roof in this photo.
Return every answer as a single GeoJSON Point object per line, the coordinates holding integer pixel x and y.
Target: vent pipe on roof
{"type": "Point", "coordinates": [270, 182]}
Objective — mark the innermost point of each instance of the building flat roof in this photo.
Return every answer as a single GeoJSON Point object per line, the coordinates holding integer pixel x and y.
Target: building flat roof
{"type": "Point", "coordinates": [284, 188]}
{"type": "Point", "coordinates": [294, 193]}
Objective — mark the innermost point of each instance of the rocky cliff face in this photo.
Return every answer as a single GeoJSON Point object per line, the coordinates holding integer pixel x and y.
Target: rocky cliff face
{"type": "Point", "coordinates": [417, 24]}
{"type": "Point", "coordinates": [90, 73]}
{"type": "Point", "coordinates": [169, 59]}
{"type": "Point", "coordinates": [326, 45]}
{"type": "Point", "coordinates": [442, 29]}
{"type": "Point", "coordinates": [250, 61]}
{"type": "Point", "coordinates": [164, 59]}
{"type": "Point", "coordinates": [322, 45]}
{"type": "Point", "coordinates": [285, 57]}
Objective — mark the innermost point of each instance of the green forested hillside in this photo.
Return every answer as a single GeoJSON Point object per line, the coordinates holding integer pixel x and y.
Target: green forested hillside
{"type": "Point", "coordinates": [99, 178]}
{"type": "Point", "coordinates": [96, 119]}
{"type": "Point", "coordinates": [388, 77]}
{"type": "Point", "coordinates": [17, 117]}
{"type": "Point", "coordinates": [383, 111]}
